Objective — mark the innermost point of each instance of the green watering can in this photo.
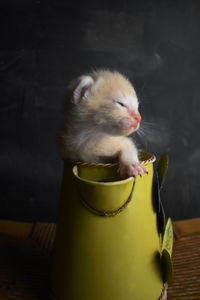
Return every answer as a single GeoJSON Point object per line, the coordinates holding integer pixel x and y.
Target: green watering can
{"type": "Point", "coordinates": [112, 241]}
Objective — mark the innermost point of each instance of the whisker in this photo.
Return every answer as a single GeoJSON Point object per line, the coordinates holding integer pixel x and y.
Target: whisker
{"type": "Point", "coordinates": [140, 131]}
{"type": "Point", "coordinates": [141, 90]}
{"type": "Point", "coordinates": [147, 130]}
{"type": "Point", "coordinates": [148, 123]}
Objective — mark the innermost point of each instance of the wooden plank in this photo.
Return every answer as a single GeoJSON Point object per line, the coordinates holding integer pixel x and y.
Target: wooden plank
{"type": "Point", "coordinates": [15, 229]}
{"type": "Point", "coordinates": [186, 227]}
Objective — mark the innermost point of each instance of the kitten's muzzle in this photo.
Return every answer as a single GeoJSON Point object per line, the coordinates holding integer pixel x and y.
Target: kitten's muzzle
{"type": "Point", "coordinates": [128, 125]}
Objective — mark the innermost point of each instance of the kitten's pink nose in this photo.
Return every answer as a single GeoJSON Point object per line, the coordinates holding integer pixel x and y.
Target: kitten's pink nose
{"type": "Point", "coordinates": [138, 117]}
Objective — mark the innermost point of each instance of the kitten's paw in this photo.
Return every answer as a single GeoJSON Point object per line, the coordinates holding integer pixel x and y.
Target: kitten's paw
{"type": "Point", "coordinates": [133, 169]}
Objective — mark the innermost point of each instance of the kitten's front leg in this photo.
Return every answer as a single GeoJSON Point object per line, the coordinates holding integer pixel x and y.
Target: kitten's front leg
{"type": "Point", "coordinates": [128, 159]}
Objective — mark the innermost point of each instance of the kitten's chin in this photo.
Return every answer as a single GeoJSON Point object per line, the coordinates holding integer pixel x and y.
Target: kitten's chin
{"type": "Point", "coordinates": [131, 129]}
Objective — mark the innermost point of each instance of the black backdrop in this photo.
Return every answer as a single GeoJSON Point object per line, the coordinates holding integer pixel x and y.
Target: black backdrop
{"type": "Point", "coordinates": [45, 44]}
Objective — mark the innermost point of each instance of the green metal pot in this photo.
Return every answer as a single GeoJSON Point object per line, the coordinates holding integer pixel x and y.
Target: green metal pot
{"type": "Point", "coordinates": [108, 246]}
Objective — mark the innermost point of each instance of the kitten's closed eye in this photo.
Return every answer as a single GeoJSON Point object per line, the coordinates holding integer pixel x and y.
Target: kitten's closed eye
{"type": "Point", "coordinates": [120, 105]}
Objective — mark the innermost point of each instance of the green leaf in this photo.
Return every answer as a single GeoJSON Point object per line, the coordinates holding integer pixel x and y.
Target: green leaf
{"type": "Point", "coordinates": [166, 252]}
{"type": "Point", "coordinates": [167, 266]}
{"type": "Point", "coordinates": [162, 169]}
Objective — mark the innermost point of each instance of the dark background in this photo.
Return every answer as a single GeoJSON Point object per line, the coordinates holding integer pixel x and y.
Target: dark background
{"type": "Point", "coordinates": [45, 44]}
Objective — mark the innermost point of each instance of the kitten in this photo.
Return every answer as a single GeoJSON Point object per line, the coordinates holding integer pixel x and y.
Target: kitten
{"type": "Point", "coordinates": [102, 112]}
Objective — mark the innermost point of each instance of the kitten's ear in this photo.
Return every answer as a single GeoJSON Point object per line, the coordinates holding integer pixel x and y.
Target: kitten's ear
{"type": "Point", "coordinates": [82, 89]}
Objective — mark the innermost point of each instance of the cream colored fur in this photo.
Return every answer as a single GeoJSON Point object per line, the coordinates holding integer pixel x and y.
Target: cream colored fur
{"type": "Point", "coordinates": [102, 110]}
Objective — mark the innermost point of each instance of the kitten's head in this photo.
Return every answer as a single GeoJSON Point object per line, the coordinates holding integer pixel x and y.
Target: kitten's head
{"type": "Point", "coordinates": [107, 101]}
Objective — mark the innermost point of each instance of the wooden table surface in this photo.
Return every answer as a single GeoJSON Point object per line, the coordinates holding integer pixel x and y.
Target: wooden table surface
{"type": "Point", "coordinates": [25, 250]}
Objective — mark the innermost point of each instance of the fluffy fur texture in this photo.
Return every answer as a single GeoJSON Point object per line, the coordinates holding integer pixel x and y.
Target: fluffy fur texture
{"type": "Point", "coordinates": [101, 112]}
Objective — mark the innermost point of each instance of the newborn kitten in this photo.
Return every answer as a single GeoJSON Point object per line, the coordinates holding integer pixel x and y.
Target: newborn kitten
{"type": "Point", "coordinates": [102, 111]}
